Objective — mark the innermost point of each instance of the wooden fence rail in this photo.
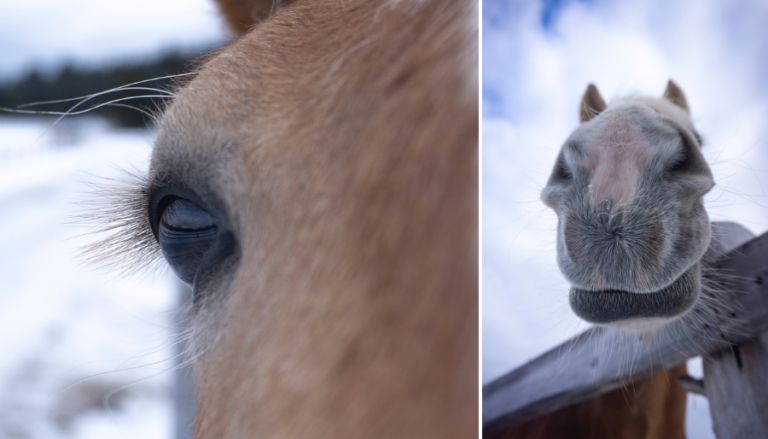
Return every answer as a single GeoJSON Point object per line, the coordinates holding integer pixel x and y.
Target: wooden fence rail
{"type": "Point", "coordinates": [727, 331]}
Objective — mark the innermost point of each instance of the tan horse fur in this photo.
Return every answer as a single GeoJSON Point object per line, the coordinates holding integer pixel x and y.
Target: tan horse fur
{"type": "Point", "coordinates": [340, 139]}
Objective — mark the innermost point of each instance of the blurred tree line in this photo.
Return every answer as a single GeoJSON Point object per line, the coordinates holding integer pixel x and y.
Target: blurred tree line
{"type": "Point", "coordinates": [71, 82]}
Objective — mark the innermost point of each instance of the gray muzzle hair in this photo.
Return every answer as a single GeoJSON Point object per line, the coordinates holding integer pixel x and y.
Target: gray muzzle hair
{"type": "Point", "coordinates": [627, 188]}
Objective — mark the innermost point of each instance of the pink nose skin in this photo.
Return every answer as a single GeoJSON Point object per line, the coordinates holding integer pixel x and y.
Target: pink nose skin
{"type": "Point", "coordinates": [598, 280]}
{"type": "Point", "coordinates": [600, 283]}
{"type": "Point", "coordinates": [616, 156]}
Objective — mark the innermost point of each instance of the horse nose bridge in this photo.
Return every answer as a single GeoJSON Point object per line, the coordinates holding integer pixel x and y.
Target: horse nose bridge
{"type": "Point", "coordinates": [618, 154]}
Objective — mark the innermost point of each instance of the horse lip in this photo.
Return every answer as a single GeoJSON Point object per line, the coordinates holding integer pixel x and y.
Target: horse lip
{"type": "Point", "coordinates": [611, 306]}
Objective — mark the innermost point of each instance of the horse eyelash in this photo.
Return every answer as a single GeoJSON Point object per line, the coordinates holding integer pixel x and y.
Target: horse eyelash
{"type": "Point", "coordinates": [698, 138]}
{"type": "Point", "coordinates": [116, 210]}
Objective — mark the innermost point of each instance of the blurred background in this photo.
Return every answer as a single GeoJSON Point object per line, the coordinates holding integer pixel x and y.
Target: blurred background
{"type": "Point", "coordinates": [538, 57]}
{"type": "Point", "coordinates": [84, 353]}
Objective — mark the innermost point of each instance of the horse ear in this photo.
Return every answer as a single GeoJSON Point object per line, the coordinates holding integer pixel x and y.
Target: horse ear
{"type": "Point", "coordinates": [676, 96]}
{"type": "Point", "coordinates": [592, 104]}
{"type": "Point", "coordinates": [242, 14]}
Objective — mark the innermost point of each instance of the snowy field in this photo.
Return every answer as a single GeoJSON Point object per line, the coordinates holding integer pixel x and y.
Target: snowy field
{"type": "Point", "coordinates": [537, 63]}
{"type": "Point", "coordinates": [84, 354]}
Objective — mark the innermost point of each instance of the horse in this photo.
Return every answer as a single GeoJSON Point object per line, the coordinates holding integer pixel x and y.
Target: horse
{"type": "Point", "coordinates": [316, 184]}
{"type": "Point", "coordinates": [627, 188]}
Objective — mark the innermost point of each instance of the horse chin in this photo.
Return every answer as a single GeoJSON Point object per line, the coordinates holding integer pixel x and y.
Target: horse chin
{"type": "Point", "coordinates": [639, 312]}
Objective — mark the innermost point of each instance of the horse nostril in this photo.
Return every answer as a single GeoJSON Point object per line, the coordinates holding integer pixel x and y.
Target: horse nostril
{"type": "Point", "coordinates": [626, 244]}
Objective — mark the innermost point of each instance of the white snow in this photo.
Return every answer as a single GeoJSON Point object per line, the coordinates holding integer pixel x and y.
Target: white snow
{"type": "Point", "coordinates": [84, 353]}
{"type": "Point", "coordinates": [533, 79]}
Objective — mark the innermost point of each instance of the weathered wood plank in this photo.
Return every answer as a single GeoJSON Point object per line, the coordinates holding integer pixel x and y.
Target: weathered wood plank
{"type": "Point", "coordinates": [736, 383]}
{"type": "Point", "coordinates": [736, 379]}
{"type": "Point", "coordinates": [603, 359]}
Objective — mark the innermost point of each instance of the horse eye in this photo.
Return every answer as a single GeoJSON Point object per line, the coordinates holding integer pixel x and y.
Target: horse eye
{"type": "Point", "coordinates": [698, 138]}
{"type": "Point", "coordinates": [185, 232]}
{"type": "Point", "coordinates": [561, 173]}
{"type": "Point", "coordinates": [685, 162]}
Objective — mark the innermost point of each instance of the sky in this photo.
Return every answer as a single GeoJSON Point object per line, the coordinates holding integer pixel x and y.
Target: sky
{"type": "Point", "coordinates": [538, 58]}
{"type": "Point", "coordinates": [47, 33]}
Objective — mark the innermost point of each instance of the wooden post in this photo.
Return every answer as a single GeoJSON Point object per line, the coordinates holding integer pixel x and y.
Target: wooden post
{"type": "Point", "coordinates": [736, 378]}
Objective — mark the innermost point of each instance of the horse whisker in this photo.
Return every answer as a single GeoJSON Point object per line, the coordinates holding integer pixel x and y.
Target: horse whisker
{"type": "Point", "coordinates": [58, 101]}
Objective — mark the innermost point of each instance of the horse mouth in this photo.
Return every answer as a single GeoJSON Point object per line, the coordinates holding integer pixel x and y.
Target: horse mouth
{"type": "Point", "coordinates": [642, 311]}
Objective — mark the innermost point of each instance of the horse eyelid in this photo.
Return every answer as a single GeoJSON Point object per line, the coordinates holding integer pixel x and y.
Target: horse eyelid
{"type": "Point", "coordinates": [562, 172]}
{"type": "Point", "coordinates": [699, 140]}
{"type": "Point", "coordinates": [683, 164]}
